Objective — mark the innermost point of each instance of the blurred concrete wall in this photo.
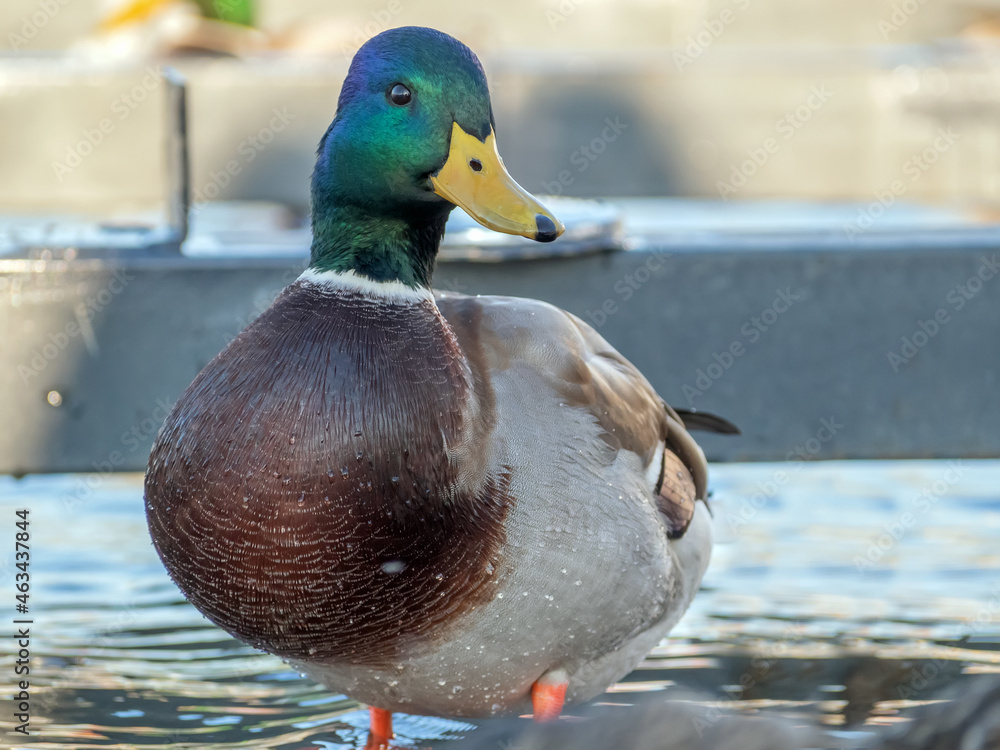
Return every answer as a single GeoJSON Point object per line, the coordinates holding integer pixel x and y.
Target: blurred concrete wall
{"type": "Point", "coordinates": [853, 100]}
{"type": "Point", "coordinates": [566, 24]}
{"type": "Point", "coordinates": [88, 141]}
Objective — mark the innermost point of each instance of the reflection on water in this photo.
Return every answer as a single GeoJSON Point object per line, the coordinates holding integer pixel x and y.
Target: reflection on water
{"type": "Point", "coordinates": [849, 592]}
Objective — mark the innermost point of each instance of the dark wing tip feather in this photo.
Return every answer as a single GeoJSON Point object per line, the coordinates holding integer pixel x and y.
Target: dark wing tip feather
{"type": "Point", "coordinates": [702, 420]}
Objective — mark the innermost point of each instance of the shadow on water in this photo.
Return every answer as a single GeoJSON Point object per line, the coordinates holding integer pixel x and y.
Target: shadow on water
{"type": "Point", "coordinates": [812, 611]}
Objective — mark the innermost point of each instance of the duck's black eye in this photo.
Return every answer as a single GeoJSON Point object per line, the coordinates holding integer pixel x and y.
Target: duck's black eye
{"type": "Point", "coordinates": [400, 95]}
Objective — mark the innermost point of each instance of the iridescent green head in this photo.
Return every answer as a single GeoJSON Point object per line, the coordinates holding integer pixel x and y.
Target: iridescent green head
{"type": "Point", "coordinates": [413, 138]}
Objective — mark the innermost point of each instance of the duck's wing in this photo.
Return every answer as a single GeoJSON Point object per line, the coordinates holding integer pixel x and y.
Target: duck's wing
{"type": "Point", "coordinates": [584, 370]}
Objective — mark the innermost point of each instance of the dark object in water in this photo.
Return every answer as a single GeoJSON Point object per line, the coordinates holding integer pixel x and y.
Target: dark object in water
{"type": "Point", "coordinates": [652, 725]}
{"type": "Point", "coordinates": [967, 719]}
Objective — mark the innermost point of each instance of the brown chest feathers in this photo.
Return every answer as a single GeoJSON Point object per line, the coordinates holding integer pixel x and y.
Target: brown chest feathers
{"type": "Point", "coordinates": [301, 493]}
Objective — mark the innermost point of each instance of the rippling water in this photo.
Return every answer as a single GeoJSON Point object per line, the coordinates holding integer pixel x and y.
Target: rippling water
{"type": "Point", "coordinates": [848, 592]}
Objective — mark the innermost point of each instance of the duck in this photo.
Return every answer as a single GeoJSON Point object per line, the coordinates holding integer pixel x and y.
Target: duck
{"type": "Point", "coordinates": [433, 503]}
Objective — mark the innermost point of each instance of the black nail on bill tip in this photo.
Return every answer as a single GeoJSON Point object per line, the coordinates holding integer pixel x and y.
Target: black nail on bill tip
{"type": "Point", "coordinates": [545, 229]}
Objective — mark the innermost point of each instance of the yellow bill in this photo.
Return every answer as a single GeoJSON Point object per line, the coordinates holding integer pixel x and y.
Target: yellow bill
{"type": "Point", "coordinates": [475, 179]}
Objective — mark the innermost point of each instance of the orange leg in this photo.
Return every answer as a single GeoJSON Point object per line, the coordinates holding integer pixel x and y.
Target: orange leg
{"type": "Point", "coordinates": [548, 695]}
{"type": "Point", "coordinates": [381, 729]}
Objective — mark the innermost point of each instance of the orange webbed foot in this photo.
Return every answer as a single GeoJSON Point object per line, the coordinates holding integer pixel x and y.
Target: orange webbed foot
{"type": "Point", "coordinates": [548, 695]}
{"type": "Point", "coordinates": [381, 729]}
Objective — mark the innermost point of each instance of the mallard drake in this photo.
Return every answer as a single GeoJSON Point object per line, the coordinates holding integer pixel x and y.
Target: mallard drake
{"type": "Point", "coordinates": [433, 503]}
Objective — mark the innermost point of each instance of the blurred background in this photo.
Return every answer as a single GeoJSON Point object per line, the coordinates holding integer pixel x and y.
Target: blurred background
{"type": "Point", "coordinates": [782, 211]}
{"type": "Point", "coordinates": [829, 101]}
